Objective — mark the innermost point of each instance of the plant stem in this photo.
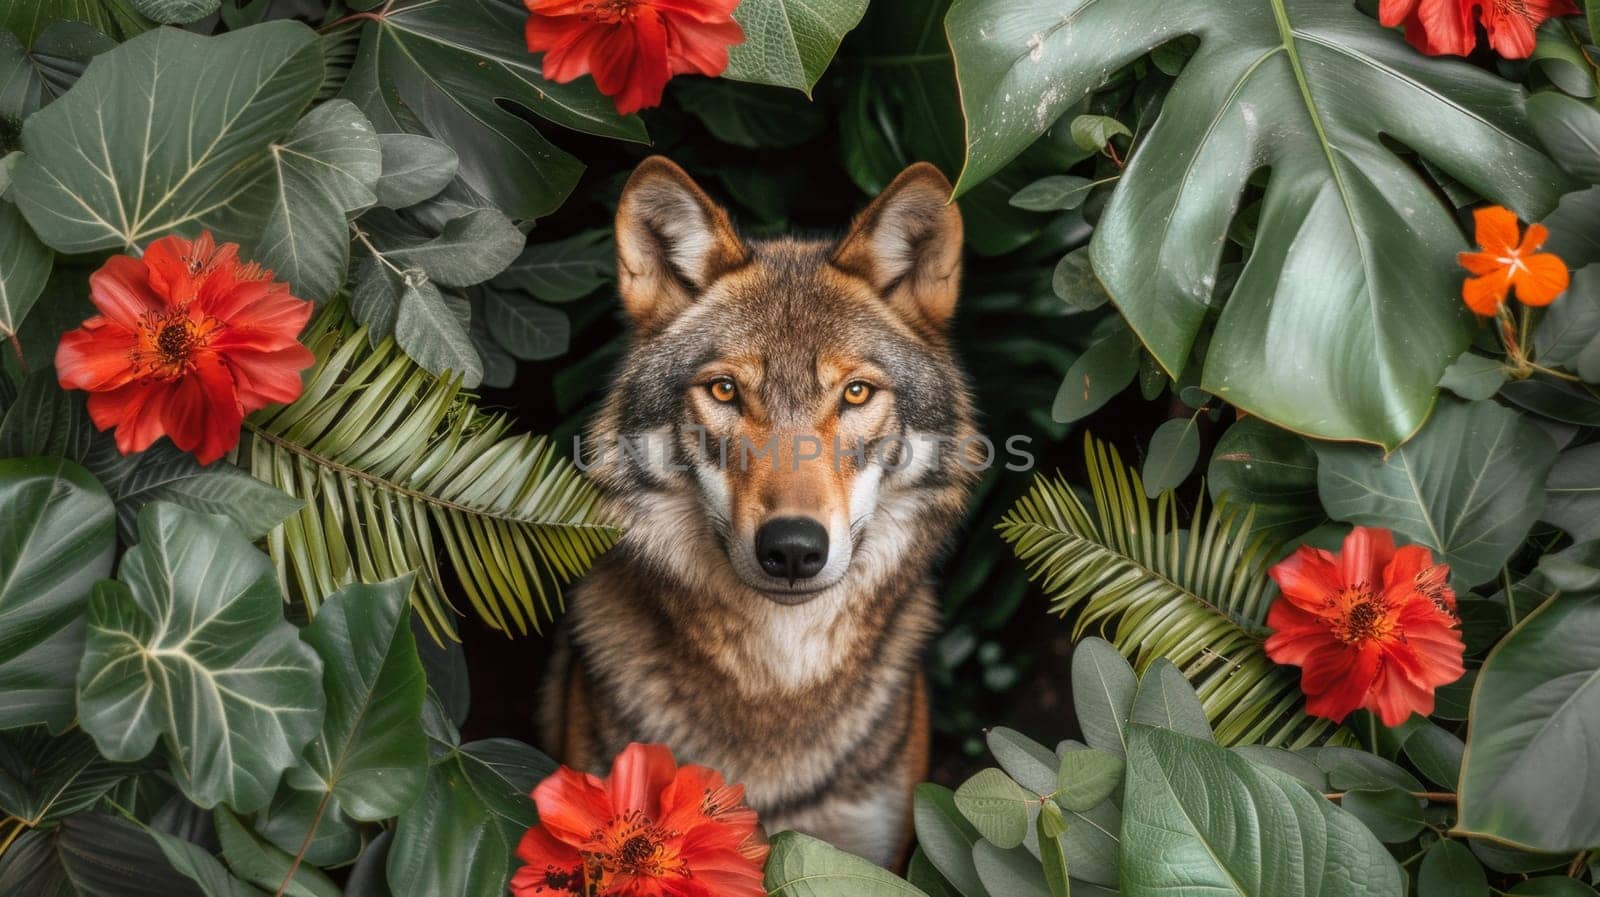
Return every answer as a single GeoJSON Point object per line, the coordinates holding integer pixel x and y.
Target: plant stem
{"type": "Point", "coordinates": [16, 832]}
{"type": "Point", "coordinates": [16, 346]}
{"type": "Point", "coordinates": [305, 845]}
{"type": "Point", "coordinates": [1437, 797]}
{"type": "Point", "coordinates": [1511, 597]}
{"type": "Point", "coordinates": [1576, 869]}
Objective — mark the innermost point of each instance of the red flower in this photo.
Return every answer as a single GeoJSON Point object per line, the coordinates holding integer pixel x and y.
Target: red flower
{"type": "Point", "coordinates": [1439, 27]}
{"type": "Point", "coordinates": [1373, 626]}
{"type": "Point", "coordinates": [653, 829]}
{"type": "Point", "coordinates": [632, 47]}
{"type": "Point", "coordinates": [1539, 277]}
{"type": "Point", "coordinates": [188, 341]}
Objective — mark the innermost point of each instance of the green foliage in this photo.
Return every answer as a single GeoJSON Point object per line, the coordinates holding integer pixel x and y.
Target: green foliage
{"type": "Point", "coordinates": [1197, 597]}
{"type": "Point", "coordinates": [802, 866]}
{"type": "Point", "coordinates": [789, 42]}
{"type": "Point", "coordinates": [1331, 80]}
{"type": "Point", "coordinates": [387, 458]}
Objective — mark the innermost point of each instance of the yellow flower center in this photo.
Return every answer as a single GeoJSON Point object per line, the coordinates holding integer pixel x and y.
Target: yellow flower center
{"type": "Point", "coordinates": [169, 342]}
{"type": "Point", "coordinates": [1365, 617]}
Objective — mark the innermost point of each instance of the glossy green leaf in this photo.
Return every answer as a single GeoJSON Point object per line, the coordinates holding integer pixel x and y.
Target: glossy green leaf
{"type": "Point", "coordinates": [30, 19]}
{"type": "Point", "coordinates": [175, 12]}
{"type": "Point", "coordinates": [93, 855]}
{"type": "Point", "coordinates": [1167, 700]}
{"type": "Point", "coordinates": [996, 806]}
{"type": "Point", "coordinates": [1174, 451]}
{"type": "Point", "coordinates": [190, 646]}
{"type": "Point", "coordinates": [1572, 493]}
{"type": "Point", "coordinates": [1087, 777]}
{"type": "Point", "coordinates": [370, 756]}
{"type": "Point", "coordinates": [226, 97]}
{"type": "Point", "coordinates": [199, 866]}
{"type": "Point", "coordinates": [24, 268]}
{"type": "Point", "coordinates": [563, 270]}
{"type": "Point", "coordinates": [1356, 258]}
{"type": "Point", "coordinates": [443, 67]}
{"type": "Point", "coordinates": [460, 837]}
{"type": "Point", "coordinates": [1474, 377]}
{"type": "Point", "coordinates": [1098, 375]}
{"type": "Point", "coordinates": [1569, 130]}
{"type": "Point", "coordinates": [1272, 470]}
{"type": "Point", "coordinates": [32, 77]}
{"type": "Point", "coordinates": [265, 865]}
{"type": "Point", "coordinates": [1197, 819]}
{"type": "Point", "coordinates": [1093, 132]}
{"type": "Point", "coordinates": [788, 43]}
{"type": "Point", "coordinates": [1103, 690]}
{"type": "Point", "coordinates": [57, 536]}
{"type": "Point", "coordinates": [1073, 281]}
{"type": "Point", "coordinates": [163, 473]}
{"type": "Point", "coordinates": [415, 168]}
{"type": "Point", "coordinates": [1530, 777]}
{"type": "Point", "coordinates": [754, 116]}
{"type": "Point", "coordinates": [45, 778]}
{"type": "Point", "coordinates": [1450, 870]}
{"type": "Point", "coordinates": [802, 866]}
{"type": "Point", "coordinates": [336, 840]}
{"type": "Point", "coordinates": [1053, 193]}
{"type": "Point", "coordinates": [1391, 814]}
{"type": "Point", "coordinates": [1468, 486]}
{"type": "Point", "coordinates": [1436, 753]}
{"type": "Point", "coordinates": [1551, 886]}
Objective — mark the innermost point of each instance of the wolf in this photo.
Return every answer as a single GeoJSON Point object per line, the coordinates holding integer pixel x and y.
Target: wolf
{"type": "Point", "coordinates": [787, 446]}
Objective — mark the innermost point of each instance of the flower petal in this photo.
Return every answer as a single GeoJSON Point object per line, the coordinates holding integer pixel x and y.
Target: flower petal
{"type": "Point", "coordinates": [203, 414]}
{"type": "Point", "coordinates": [1309, 577]}
{"type": "Point", "coordinates": [638, 776]}
{"type": "Point", "coordinates": [572, 805]}
{"type": "Point", "coordinates": [268, 378]}
{"type": "Point", "coordinates": [1540, 280]}
{"type": "Point", "coordinates": [136, 410]}
{"type": "Point", "coordinates": [121, 290]}
{"type": "Point", "coordinates": [1485, 295]}
{"type": "Point", "coordinates": [1496, 228]}
{"type": "Point", "coordinates": [1366, 551]}
{"type": "Point", "coordinates": [96, 356]}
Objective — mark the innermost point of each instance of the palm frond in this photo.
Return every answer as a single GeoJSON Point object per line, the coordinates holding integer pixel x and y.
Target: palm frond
{"type": "Point", "coordinates": [1197, 596]}
{"type": "Point", "coordinates": [393, 462]}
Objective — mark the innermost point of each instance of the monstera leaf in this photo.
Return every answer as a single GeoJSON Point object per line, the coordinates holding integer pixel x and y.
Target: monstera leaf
{"type": "Point", "coordinates": [190, 645]}
{"type": "Point", "coordinates": [442, 68]}
{"type": "Point", "coordinates": [1345, 313]}
{"type": "Point", "coordinates": [167, 129]}
{"type": "Point", "coordinates": [57, 536]}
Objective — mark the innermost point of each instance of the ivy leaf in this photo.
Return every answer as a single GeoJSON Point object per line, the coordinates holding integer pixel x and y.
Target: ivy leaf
{"type": "Point", "coordinates": [460, 836]}
{"type": "Point", "coordinates": [189, 645]}
{"type": "Point", "coordinates": [326, 167]}
{"type": "Point", "coordinates": [57, 536]}
{"type": "Point", "coordinates": [170, 127]}
{"type": "Point", "coordinates": [1197, 817]}
{"type": "Point", "coordinates": [1355, 254]}
{"type": "Point", "coordinates": [415, 168]}
{"type": "Point", "coordinates": [371, 755]}
{"type": "Point", "coordinates": [444, 68]}
{"type": "Point", "coordinates": [788, 43]}
{"type": "Point", "coordinates": [1468, 486]}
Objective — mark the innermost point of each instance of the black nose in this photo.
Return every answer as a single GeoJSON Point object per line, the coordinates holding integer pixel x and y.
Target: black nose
{"type": "Point", "coordinates": [792, 547]}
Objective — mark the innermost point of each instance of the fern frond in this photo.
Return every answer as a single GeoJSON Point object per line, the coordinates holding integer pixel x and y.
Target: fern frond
{"type": "Point", "coordinates": [393, 462]}
{"type": "Point", "coordinates": [1197, 596]}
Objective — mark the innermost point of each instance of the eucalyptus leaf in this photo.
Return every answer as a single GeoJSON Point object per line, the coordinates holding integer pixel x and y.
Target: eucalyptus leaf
{"type": "Point", "coordinates": [946, 838]}
{"type": "Point", "coordinates": [802, 866]}
{"type": "Point", "coordinates": [1166, 699]}
{"type": "Point", "coordinates": [415, 168]}
{"type": "Point", "coordinates": [1013, 872]}
{"type": "Point", "coordinates": [1355, 252]}
{"type": "Point", "coordinates": [432, 328]}
{"type": "Point", "coordinates": [996, 806]}
{"type": "Point", "coordinates": [1103, 691]}
{"type": "Point", "coordinates": [1086, 778]}
{"type": "Point", "coordinates": [1468, 486]}
{"type": "Point", "coordinates": [57, 536]}
{"type": "Point", "coordinates": [190, 646]}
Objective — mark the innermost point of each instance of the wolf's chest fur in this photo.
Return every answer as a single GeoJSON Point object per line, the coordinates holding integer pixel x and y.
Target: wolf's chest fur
{"type": "Point", "coordinates": [767, 618]}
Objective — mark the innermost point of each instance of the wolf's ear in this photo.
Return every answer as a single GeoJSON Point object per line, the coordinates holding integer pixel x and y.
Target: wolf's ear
{"type": "Point", "coordinates": [907, 244]}
{"type": "Point", "coordinates": [672, 241]}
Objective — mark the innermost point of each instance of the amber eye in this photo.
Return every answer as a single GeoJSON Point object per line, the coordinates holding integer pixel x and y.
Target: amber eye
{"type": "Point", "coordinates": [857, 393]}
{"type": "Point", "coordinates": [723, 389]}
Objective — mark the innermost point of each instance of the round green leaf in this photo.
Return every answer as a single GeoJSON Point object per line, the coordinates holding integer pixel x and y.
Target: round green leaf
{"type": "Point", "coordinates": [1531, 776]}
{"type": "Point", "coordinates": [1450, 870]}
{"type": "Point", "coordinates": [57, 536]}
{"type": "Point", "coordinates": [996, 806]}
{"type": "Point", "coordinates": [1271, 469]}
{"type": "Point", "coordinates": [170, 127]}
{"type": "Point", "coordinates": [1199, 819]}
{"type": "Point", "coordinates": [802, 866]}
{"type": "Point", "coordinates": [1355, 254]}
{"type": "Point", "coordinates": [190, 645]}
{"type": "Point", "coordinates": [371, 755]}
{"type": "Point", "coordinates": [1174, 451]}
{"type": "Point", "coordinates": [1087, 777]}
{"type": "Point", "coordinates": [1468, 486]}
{"type": "Point", "coordinates": [1074, 282]}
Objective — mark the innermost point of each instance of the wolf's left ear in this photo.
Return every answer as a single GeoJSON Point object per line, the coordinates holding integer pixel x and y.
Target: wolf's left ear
{"type": "Point", "coordinates": [907, 244]}
{"type": "Point", "coordinates": [672, 242]}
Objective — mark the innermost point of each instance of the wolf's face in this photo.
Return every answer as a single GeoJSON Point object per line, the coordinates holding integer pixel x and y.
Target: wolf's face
{"type": "Point", "coordinates": [781, 397]}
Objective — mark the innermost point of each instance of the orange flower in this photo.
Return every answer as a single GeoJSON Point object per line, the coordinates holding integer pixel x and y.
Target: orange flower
{"type": "Point", "coordinates": [632, 47]}
{"type": "Point", "coordinates": [1373, 626]}
{"type": "Point", "coordinates": [653, 829]}
{"type": "Point", "coordinates": [1539, 277]}
{"type": "Point", "coordinates": [188, 341]}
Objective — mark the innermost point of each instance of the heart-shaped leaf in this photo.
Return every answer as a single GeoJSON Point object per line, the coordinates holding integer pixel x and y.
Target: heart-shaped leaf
{"type": "Point", "coordinates": [57, 536]}
{"type": "Point", "coordinates": [1355, 253]}
{"type": "Point", "coordinates": [1468, 486]}
{"type": "Point", "coordinates": [170, 127]}
{"type": "Point", "coordinates": [371, 755]}
{"type": "Point", "coordinates": [190, 645]}
{"type": "Point", "coordinates": [1199, 818]}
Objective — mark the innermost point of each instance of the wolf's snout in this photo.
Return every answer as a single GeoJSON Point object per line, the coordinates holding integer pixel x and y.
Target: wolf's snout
{"type": "Point", "coordinates": [792, 548]}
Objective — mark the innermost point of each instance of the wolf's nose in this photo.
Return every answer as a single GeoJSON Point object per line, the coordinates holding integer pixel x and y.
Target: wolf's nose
{"type": "Point", "coordinates": [792, 548]}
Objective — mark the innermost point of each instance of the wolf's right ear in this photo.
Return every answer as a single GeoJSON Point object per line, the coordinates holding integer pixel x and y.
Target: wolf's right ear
{"type": "Point", "coordinates": [672, 242]}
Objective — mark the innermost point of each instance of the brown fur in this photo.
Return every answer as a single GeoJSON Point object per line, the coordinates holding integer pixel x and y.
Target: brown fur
{"type": "Point", "coordinates": [815, 700]}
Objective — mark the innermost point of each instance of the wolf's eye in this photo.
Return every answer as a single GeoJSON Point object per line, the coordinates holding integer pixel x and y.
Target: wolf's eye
{"type": "Point", "coordinates": [857, 393]}
{"type": "Point", "coordinates": [723, 389]}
